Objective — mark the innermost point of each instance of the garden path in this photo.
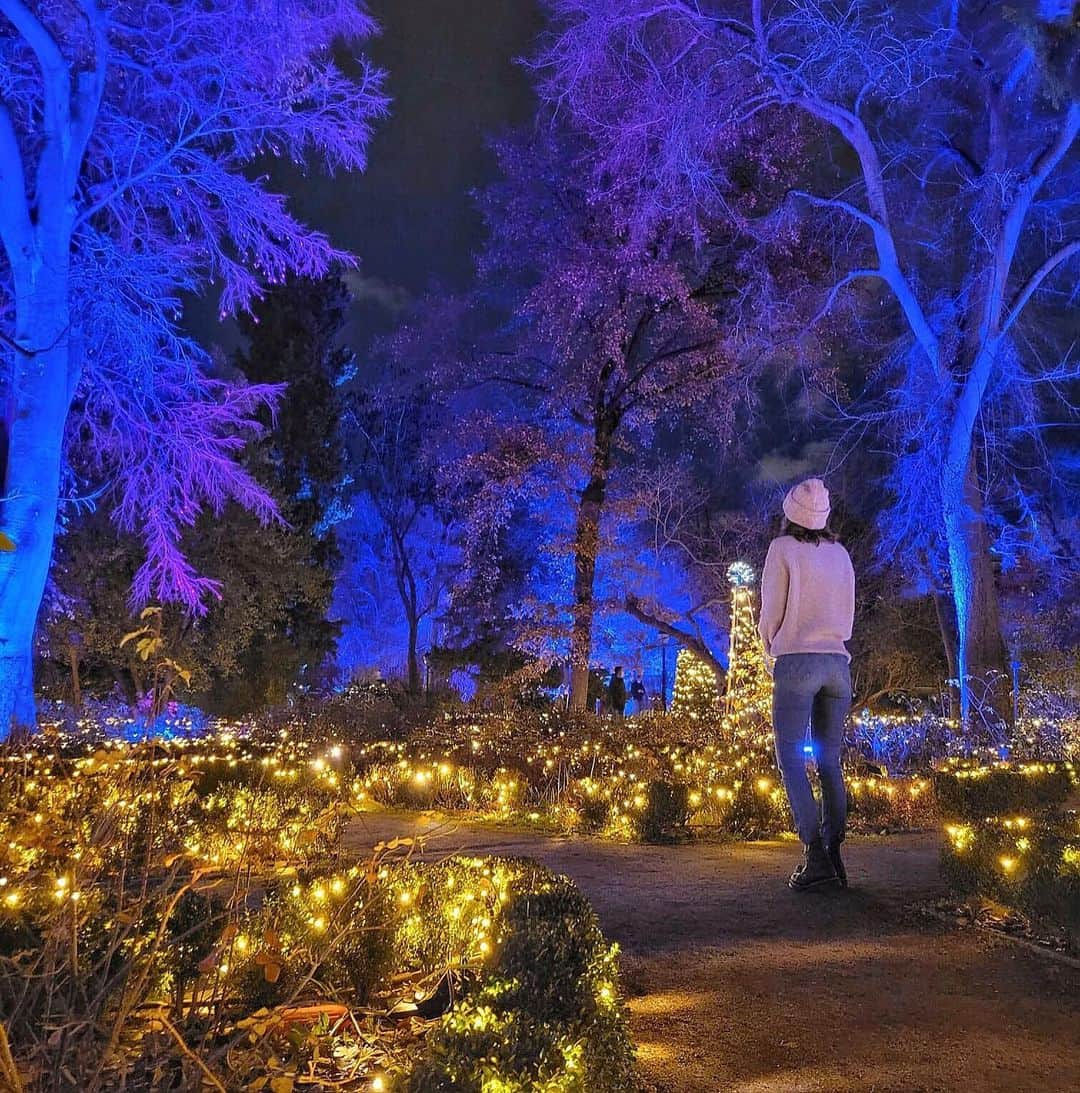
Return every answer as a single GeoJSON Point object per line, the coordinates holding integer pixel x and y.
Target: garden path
{"type": "Point", "coordinates": [737, 984]}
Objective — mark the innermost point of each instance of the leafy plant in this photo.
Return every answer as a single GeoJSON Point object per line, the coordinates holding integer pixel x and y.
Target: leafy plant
{"type": "Point", "coordinates": [977, 792]}
{"type": "Point", "coordinates": [150, 647]}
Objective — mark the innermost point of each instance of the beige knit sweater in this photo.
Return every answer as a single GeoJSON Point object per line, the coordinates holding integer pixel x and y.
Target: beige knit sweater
{"type": "Point", "coordinates": [807, 598]}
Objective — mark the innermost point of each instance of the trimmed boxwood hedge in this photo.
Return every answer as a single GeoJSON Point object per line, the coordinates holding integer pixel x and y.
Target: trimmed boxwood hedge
{"type": "Point", "coordinates": [546, 1016]}
{"type": "Point", "coordinates": [980, 792]}
{"type": "Point", "coordinates": [1009, 840]}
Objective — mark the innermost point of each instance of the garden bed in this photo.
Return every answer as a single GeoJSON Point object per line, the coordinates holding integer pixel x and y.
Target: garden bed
{"type": "Point", "coordinates": [594, 779]}
{"type": "Point", "coordinates": [635, 780]}
{"type": "Point", "coordinates": [175, 921]}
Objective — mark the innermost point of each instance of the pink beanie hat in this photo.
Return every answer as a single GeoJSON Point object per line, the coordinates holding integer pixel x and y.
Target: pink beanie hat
{"type": "Point", "coordinates": [807, 504]}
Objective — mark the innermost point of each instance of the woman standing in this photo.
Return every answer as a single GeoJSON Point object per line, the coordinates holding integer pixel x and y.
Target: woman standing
{"type": "Point", "coordinates": [807, 608]}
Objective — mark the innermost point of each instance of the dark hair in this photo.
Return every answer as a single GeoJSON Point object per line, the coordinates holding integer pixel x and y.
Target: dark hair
{"type": "Point", "coordinates": [808, 535]}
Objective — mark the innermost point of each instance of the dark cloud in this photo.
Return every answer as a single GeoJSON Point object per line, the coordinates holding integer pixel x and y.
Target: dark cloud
{"type": "Point", "coordinates": [393, 299]}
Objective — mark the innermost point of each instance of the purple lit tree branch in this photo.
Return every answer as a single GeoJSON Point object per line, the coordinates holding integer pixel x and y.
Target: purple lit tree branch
{"type": "Point", "coordinates": [128, 137]}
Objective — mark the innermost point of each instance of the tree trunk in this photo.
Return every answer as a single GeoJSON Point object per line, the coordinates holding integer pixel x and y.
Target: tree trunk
{"type": "Point", "coordinates": [406, 585]}
{"type": "Point", "coordinates": [586, 549]}
{"type": "Point", "coordinates": [414, 659]}
{"type": "Point", "coordinates": [1015, 663]}
{"type": "Point", "coordinates": [39, 399]}
{"type": "Point", "coordinates": [946, 617]}
{"type": "Point", "coordinates": [981, 665]}
{"type": "Point", "coordinates": [76, 685]}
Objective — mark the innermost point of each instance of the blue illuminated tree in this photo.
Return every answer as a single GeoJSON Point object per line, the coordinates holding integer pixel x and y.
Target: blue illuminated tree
{"type": "Point", "coordinates": [396, 424]}
{"type": "Point", "coordinates": [941, 168]}
{"type": "Point", "coordinates": [610, 332]}
{"type": "Point", "coordinates": [130, 136]}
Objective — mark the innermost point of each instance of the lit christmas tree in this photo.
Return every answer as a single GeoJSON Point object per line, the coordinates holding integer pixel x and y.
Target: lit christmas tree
{"type": "Point", "coordinates": [747, 725]}
{"type": "Point", "coordinates": [697, 692]}
{"type": "Point", "coordinates": [748, 694]}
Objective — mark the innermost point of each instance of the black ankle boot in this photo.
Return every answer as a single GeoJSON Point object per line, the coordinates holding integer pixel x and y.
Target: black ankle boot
{"type": "Point", "coordinates": [833, 850]}
{"type": "Point", "coordinates": [816, 870]}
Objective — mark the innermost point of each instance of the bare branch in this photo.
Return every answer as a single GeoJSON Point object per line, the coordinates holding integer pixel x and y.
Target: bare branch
{"type": "Point", "coordinates": [837, 203]}
{"type": "Point", "coordinates": [830, 299]}
{"type": "Point", "coordinates": [636, 609]}
{"type": "Point", "coordinates": [1044, 166]}
{"type": "Point", "coordinates": [854, 131]}
{"type": "Point", "coordinates": [1031, 285]}
{"type": "Point", "coordinates": [54, 69]}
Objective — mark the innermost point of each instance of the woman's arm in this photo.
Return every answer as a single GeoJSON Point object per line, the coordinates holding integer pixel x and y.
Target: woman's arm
{"type": "Point", "coordinates": [849, 597]}
{"type": "Point", "coordinates": [774, 592]}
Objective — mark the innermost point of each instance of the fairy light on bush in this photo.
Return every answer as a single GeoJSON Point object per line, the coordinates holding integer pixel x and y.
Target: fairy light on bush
{"type": "Point", "coordinates": [1010, 837]}
{"type": "Point", "coordinates": [697, 692]}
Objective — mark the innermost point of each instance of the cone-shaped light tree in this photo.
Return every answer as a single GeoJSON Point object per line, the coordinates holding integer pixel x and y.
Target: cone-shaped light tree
{"type": "Point", "coordinates": [696, 694]}
{"type": "Point", "coordinates": [749, 687]}
{"type": "Point", "coordinates": [748, 695]}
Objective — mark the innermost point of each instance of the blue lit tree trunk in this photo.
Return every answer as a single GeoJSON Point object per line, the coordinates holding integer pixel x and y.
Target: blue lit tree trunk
{"type": "Point", "coordinates": [36, 224]}
{"type": "Point", "coordinates": [38, 402]}
{"type": "Point", "coordinates": [42, 379]}
{"type": "Point", "coordinates": [980, 653]}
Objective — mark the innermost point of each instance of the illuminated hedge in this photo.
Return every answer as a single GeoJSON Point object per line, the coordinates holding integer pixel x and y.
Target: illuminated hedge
{"type": "Point", "coordinates": [190, 915]}
{"type": "Point", "coordinates": [598, 785]}
{"type": "Point", "coordinates": [561, 774]}
{"type": "Point", "coordinates": [1009, 840]}
{"type": "Point", "coordinates": [1031, 865]}
{"type": "Point", "coordinates": [547, 1014]}
{"type": "Point", "coordinates": [973, 792]}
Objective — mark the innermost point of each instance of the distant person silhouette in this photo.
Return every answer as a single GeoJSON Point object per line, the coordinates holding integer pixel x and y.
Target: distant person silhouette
{"type": "Point", "coordinates": [637, 693]}
{"type": "Point", "coordinates": [616, 694]}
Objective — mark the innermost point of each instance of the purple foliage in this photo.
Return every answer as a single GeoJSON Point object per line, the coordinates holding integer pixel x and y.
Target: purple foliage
{"type": "Point", "coordinates": [178, 105]}
{"type": "Point", "coordinates": [605, 322]}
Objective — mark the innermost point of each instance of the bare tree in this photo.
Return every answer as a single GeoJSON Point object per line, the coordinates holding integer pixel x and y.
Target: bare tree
{"type": "Point", "coordinates": [946, 137]}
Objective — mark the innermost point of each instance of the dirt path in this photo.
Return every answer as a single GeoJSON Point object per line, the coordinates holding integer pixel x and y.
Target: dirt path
{"type": "Point", "coordinates": [738, 984]}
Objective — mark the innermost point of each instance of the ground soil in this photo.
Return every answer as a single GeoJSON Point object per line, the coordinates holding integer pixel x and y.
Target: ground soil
{"type": "Point", "coordinates": [736, 983]}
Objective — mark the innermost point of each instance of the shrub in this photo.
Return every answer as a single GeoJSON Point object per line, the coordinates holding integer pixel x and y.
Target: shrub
{"type": "Point", "coordinates": [149, 933]}
{"type": "Point", "coordinates": [547, 1014]}
{"type": "Point", "coordinates": [972, 793]}
{"type": "Point", "coordinates": [878, 804]}
{"type": "Point", "coordinates": [1031, 866]}
{"type": "Point", "coordinates": [594, 811]}
{"type": "Point", "coordinates": [666, 811]}
{"type": "Point", "coordinates": [1010, 841]}
{"type": "Point", "coordinates": [753, 809]}
{"type": "Point", "coordinates": [1050, 705]}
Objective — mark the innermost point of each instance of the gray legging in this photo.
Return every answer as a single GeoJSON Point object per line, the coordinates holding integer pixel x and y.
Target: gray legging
{"type": "Point", "coordinates": [812, 689]}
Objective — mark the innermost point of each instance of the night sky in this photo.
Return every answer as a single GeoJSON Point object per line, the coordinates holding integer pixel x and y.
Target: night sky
{"type": "Point", "coordinates": [453, 80]}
